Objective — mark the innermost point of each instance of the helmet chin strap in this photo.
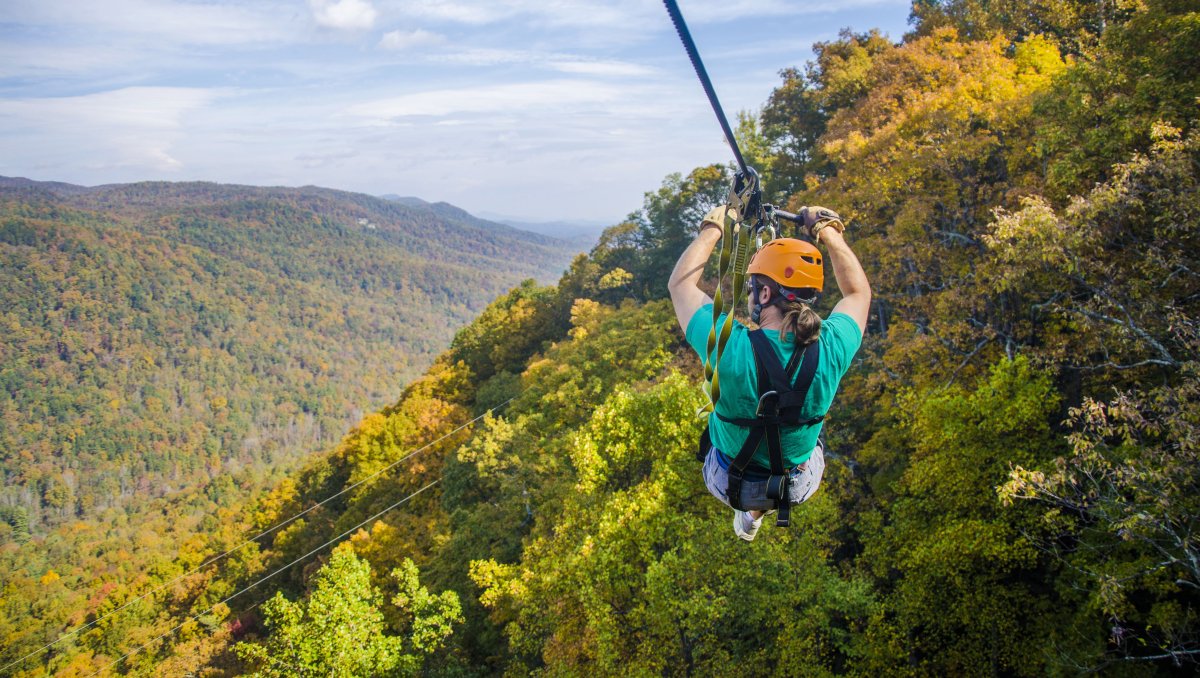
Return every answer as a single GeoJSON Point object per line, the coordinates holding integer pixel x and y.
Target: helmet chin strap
{"type": "Point", "coordinates": [756, 313]}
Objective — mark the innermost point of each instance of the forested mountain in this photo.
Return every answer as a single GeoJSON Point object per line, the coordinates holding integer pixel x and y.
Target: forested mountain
{"type": "Point", "coordinates": [1012, 488]}
{"type": "Point", "coordinates": [155, 333]}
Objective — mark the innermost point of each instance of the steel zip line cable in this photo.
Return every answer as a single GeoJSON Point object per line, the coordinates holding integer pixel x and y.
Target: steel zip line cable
{"type": "Point", "coordinates": [694, 55]}
{"type": "Point", "coordinates": [214, 606]}
{"type": "Point", "coordinates": [255, 538]}
{"type": "Point", "coordinates": [690, 45]}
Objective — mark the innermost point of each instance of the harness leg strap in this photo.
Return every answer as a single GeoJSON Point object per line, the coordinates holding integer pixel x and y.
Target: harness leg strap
{"type": "Point", "coordinates": [734, 490]}
{"type": "Point", "coordinates": [784, 517]}
{"type": "Point", "coordinates": [778, 488]}
{"type": "Point", "coordinates": [703, 446]}
{"type": "Point", "coordinates": [737, 469]}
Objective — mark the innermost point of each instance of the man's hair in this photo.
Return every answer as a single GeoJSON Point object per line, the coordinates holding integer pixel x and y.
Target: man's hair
{"type": "Point", "coordinates": [800, 321]}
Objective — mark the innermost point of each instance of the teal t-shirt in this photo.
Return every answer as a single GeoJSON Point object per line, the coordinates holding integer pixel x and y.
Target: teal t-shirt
{"type": "Point", "coordinates": [840, 339]}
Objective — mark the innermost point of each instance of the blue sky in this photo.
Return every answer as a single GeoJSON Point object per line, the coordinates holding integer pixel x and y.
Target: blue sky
{"type": "Point", "coordinates": [533, 109]}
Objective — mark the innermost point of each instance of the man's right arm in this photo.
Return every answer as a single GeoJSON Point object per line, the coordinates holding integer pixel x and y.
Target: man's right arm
{"type": "Point", "coordinates": [851, 278]}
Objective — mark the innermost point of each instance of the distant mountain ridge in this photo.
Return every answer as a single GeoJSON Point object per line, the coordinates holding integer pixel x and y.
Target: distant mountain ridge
{"type": "Point", "coordinates": [578, 232]}
{"type": "Point", "coordinates": [161, 192]}
{"type": "Point", "coordinates": [54, 186]}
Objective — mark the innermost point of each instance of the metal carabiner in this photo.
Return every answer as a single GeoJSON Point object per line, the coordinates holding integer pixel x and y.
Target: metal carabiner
{"type": "Point", "coordinates": [758, 234]}
{"type": "Point", "coordinates": [774, 403]}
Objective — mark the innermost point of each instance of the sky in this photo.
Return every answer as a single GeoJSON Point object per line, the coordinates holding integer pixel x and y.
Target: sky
{"type": "Point", "coordinates": [536, 110]}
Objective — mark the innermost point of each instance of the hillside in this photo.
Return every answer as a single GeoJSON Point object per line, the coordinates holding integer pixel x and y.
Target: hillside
{"type": "Point", "coordinates": [1012, 485]}
{"type": "Point", "coordinates": [156, 335]}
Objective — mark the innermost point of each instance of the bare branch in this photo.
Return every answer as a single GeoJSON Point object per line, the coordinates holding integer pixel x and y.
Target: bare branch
{"type": "Point", "coordinates": [1180, 269]}
{"type": "Point", "coordinates": [972, 354]}
{"type": "Point", "coordinates": [1172, 654]}
{"type": "Point", "coordinates": [951, 235]}
{"type": "Point", "coordinates": [1114, 366]}
{"type": "Point", "coordinates": [1165, 356]}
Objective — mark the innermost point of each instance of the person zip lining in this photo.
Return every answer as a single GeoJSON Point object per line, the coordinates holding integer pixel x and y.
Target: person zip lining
{"type": "Point", "coordinates": [768, 388]}
{"type": "Point", "coordinates": [762, 450]}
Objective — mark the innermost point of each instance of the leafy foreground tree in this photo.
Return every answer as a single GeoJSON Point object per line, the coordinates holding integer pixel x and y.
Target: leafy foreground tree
{"type": "Point", "coordinates": [1123, 509]}
{"type": "Point", "coordinates": [963, 586]}
{"type": "Point", "coordinates": [339, 629]}
{"type": "Point", "coordinates": [1123, 506]}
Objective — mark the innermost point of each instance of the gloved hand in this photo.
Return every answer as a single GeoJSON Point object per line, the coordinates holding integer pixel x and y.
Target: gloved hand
{"type": "Point", "coordinates": [817, 219]}
{"type": "Point", "coordinates": [717, 216]}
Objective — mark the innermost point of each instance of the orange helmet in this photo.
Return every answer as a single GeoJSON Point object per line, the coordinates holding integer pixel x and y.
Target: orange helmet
{"type": "Point", "coordinates": [791, 263]}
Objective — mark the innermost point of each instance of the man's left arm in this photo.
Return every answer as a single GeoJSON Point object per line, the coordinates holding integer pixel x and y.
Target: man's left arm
{"type": "Point", "coordinates": [684, 284]}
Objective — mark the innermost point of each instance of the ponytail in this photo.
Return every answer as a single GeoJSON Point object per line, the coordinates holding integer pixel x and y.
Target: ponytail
{"type": "Point", "coordinates": [800, 321]}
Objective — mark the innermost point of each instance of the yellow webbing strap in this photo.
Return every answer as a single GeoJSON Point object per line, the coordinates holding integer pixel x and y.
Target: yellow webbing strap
{"type": "Point", "coordinates": [731, 240]}
{"type": "Point", "coordinates": [737, 244]}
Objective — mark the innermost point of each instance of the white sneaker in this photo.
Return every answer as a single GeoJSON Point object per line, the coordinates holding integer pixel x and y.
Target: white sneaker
{"type": "Point", "coordinates": [744, 526]}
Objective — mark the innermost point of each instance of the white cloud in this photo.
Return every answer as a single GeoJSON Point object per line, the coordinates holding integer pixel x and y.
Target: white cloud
{"type": "Point", "coordinates": [145, 108]}
{"type": "Point", "coordinates": [134, 126]}
{"type": "Point", "coordinates": [606, 25]}
{"type": "Point", "coordinates": [334, 158]}
{"type": "Point", "coordinates": [628, 15]}
{"type": "Point", "coordinates": [402, 40]}
{"type": "Point", "coordinates": [619, 69]}
{"type": "Point", "coordinates": [480, 56]}
{"type": "Point", "coordinates": [458, 11]}
{"type": "Point", "coordinates": [38, 61]}
{"type": "Point", "coordinates": [716, 11]}
{"type": "Point", "coordinates": [557, 61]}
{"type": "Point", "coordinates": [164, 21]}
{"type": "Point", "coordinates": [344, 14]}
{"type": "Point", "coordinates": [496, 99]}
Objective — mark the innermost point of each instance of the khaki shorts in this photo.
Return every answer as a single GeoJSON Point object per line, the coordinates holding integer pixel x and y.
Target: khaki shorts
{"type": "Point", "coordinates": [806, 478]}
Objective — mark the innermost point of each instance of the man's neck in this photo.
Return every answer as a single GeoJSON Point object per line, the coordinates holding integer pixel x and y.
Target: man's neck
{"type": "Point", "coordinates": [770, 319]}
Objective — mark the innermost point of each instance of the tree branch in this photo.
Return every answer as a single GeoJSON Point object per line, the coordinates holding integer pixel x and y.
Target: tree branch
{"type": "Point", "coordinates": [1165, 356]}
{"type": "Point", "coordinates": [951, 235]}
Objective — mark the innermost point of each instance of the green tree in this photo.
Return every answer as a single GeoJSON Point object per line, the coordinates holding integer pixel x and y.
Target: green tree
{"type": "Point", "coordinates": [796, 113]}
{"type": "Point", "coordinates": [1112, 279]}
{"type": "Point", "coordinates": [638, 572]}
{"type": "Point", "coordinates": [968, 592]}
{"type": "Point", "coordinates": [510, 329]}
{"type": "Point", "coordinates": [1104, 109]}
{"type": "Point", "coordinates": [670, 218]}
{"type": "Point", "coordinates": [1073, 24]}
{"type": "Point", "coordinates": [1122, 509]}
{"type": "Point", "coordinates": [939, 138]}
{"type": "Point", "coordinates": [339, 629]}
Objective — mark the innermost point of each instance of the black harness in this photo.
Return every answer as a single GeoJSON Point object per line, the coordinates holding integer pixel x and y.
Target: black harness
{"type": "Point", "coordinates": [779, 402]}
